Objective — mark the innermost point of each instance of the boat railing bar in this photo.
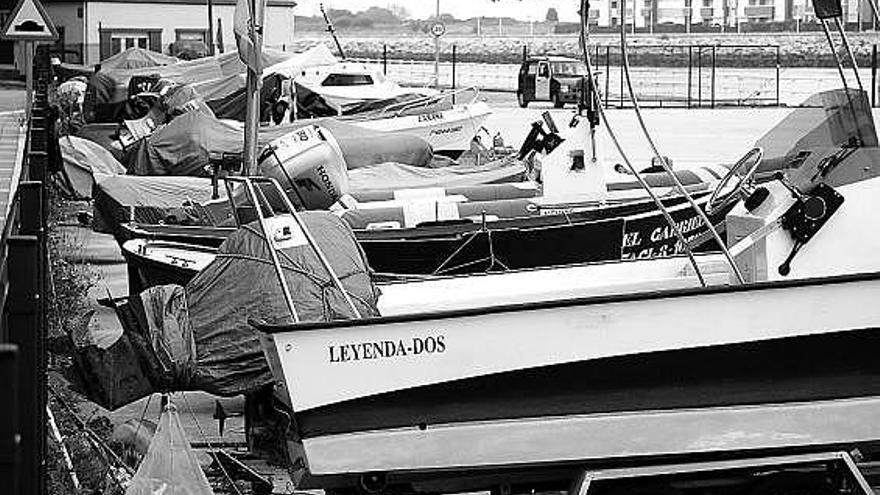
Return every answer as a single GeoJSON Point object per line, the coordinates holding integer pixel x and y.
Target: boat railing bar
{"type": "Point", "coordinates": [398, 108]}
{"type": "Point", "coordinates": [255, 195]}
{"type": "Point", "coordinates": [279, 272]}
{"type": "Point", "coordinates": [841, 72]}
{"type": "Point", "coordinates": [588, 477]}
{"type": "Point", "coordinates": [600, 109]}
{"type": "Point", "coordinates": [852, 57]}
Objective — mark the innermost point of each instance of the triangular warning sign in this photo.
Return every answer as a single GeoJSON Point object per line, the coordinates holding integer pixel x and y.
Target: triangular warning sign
{"type": "Point", "coordinates": [29, 21]}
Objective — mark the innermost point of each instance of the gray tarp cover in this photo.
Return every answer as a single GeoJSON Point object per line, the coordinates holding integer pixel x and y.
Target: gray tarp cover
{"type": "Point", "coordinates": [153, 199]}
{"type": "Point", "coordinates": [192, 71]}
{"type": "Point", "coordinates": [198, 337]}
{"type": "Point", "coordinates": [241, 283]}
{"type": "Point", "coordinates": [136, 58]}
{"type": "Point", "coordinates": [83, 158]}
{"type": "Point", "coordinates": [399, 176]}
{"type": "Point", "coordinates": [182, 146]}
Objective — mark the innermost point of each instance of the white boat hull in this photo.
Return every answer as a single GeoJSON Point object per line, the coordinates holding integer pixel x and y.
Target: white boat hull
{"type": "Point", "coordinates": [447, 131]}
{"type": "Point", "coordinates": [410, 388]}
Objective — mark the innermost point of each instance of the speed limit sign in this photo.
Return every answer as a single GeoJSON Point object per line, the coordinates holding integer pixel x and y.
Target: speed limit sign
{"type": "Point", "coordinates": [438, 29]}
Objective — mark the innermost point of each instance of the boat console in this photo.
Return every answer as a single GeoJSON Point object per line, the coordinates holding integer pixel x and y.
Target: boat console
{"type": "Point", "coordinates": [810, 222]}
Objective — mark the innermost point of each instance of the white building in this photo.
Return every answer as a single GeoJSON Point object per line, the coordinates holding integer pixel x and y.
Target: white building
{"type": "Point", "coordinates": [606, 13]}
{"type": "Point", "coordinates": [101, 28]}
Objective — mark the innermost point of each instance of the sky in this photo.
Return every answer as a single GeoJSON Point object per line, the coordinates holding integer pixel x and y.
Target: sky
{"type": "Point", "coordinates": [525, 10]}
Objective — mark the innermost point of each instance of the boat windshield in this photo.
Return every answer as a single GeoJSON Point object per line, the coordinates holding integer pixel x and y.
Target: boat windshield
{"type": "Point", "coordinates": [829, 118]}
{"type": "Point", "coordinates": [337, 79]}
{"type": "Point", "coordinates": [569, 68]}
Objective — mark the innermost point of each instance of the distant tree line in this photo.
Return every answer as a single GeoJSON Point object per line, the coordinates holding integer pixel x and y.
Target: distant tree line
{"type": "Point", "coordinates": [373, 16]}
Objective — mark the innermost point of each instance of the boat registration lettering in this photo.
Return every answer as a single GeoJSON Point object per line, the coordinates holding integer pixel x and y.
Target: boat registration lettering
{"type": "Point", "coordinates": [384, 349]}
{"type": "Point", "coordinates": [446, 130]}
{"type": "Point", "coordinates": [430, 117]}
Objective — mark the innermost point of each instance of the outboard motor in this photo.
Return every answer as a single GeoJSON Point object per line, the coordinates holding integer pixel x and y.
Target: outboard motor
{"type": "Point", "coordinates": [309, 166]}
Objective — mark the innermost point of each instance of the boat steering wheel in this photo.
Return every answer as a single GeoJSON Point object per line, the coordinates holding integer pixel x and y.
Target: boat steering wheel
{"type": "Point", "coordinates": [720, 197]}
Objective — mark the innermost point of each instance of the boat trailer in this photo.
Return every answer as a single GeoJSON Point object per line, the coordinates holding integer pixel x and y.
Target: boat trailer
{"type": "Point", "coordinates": [837, 470]}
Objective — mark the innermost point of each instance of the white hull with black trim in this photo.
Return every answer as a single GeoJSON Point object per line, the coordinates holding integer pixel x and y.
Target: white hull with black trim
{"type": "Point", "coordinates": [637, 361]}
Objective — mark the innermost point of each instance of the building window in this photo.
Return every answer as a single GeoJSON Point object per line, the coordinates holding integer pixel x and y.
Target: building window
{"type": "Point", "coordinates": [123, 41]}
{"type": "Point", "coordinates": [191, 35]}
{"type": "Point", "coordinates": [116, 40]}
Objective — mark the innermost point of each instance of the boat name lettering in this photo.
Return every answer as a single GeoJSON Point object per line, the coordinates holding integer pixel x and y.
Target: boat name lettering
{"type": "Point", "coordinates": [632, 239]}
{"type": "Point", "coordinates": [428, 117]}
{"type": "Point", "coordinates": [666, 232]}
{"type": "Point", "coordinates": [446, 130]}
{"type": "Point", "coordinates": [364, 351]}
{"type": "Point", "coordinates": [309, 185]}
{"type": "Point", "coordinates": [648, 242]}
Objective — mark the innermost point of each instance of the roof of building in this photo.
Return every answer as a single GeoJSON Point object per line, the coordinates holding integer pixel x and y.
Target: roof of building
{"type": "Point", "coordinates": [269, 3]}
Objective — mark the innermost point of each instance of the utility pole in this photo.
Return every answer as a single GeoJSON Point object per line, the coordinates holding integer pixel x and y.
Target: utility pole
{"type": "Point", "coordinates": [437, 50]}
{"type": "Point", "coordinates": [209, 36]}
{"type": "Point", "coordinates": [687, 16]}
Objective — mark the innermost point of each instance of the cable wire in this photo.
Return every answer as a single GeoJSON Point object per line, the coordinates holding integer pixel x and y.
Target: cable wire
{"type": "Point", "coordinates": [663, 163]}
{"type": "Point", "coordinates": [629, 165]}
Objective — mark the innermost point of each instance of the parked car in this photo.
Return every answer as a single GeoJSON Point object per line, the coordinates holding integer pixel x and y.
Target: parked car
{"type": "Point", "coordinates": [550, 78]}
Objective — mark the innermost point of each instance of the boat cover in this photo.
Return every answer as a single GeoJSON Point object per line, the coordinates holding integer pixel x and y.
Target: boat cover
{"type": "Point", "coordinates": [106, 135]}
{"type": "Point", "coordinates": [233, 81]}
{"type": "Point", "coordinates": [229, 355]}
{"type": "Point", "coordinates": [234, 105]}
{"type": "Point", "coordinates": [122, 198]}
{"type": "Point", "coordinates": [183, 146]}
{"type": "Point", "coordinates": [199, 338]}
{"type": "Point", "coordinates": [107, 90]}
{"type": "Point", "coordinates": [137, 58]}
{"type": "Point", "coordinates": [84, 158]}
{"type": "Point", "coordinates": [389, 176]}
{"type": "Point", "coordinates": [177, 200]}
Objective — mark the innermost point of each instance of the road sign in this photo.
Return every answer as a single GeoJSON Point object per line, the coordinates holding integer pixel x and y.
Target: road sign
{"type": "Point", "coordinates": [29, 21]}
{"type": "Point", "coordinates": [438, 29]}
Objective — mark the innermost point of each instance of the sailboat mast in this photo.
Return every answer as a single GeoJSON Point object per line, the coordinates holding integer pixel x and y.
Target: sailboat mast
{"type": "Point", "coordinates": [254, 81]}
{"type": "Point", "coordinates": [332, 31]}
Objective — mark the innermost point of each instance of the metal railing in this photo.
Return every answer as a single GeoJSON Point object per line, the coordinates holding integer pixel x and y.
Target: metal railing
{"type": "Point", "coordinates": [695, 75]}
{"type": "Point", "coordinates": [23, 316]}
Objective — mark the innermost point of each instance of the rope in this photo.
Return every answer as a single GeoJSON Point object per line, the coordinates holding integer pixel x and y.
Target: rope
{"type": "Point", "coordinates": [208, 443]}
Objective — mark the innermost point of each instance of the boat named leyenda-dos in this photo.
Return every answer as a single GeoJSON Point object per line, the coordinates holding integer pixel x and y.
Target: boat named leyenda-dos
{"type": "Point", "coordinates": [519, 376]}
